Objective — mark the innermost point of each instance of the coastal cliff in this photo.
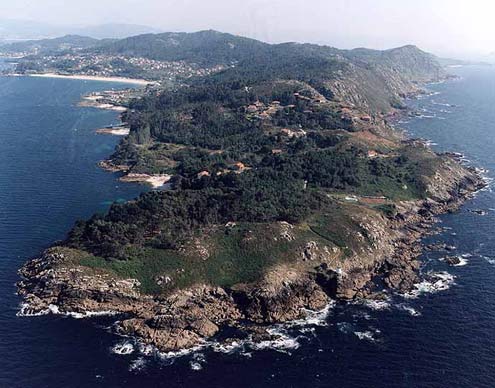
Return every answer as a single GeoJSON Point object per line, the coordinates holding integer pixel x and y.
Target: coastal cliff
{"type": "Point", "coordinates": [290, 190]}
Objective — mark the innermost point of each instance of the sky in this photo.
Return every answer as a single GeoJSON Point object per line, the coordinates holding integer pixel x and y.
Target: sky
{"type": "Point", "coordinates": [456, 28]}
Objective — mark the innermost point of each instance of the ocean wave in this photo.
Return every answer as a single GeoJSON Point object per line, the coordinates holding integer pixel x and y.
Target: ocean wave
{"type": "Point", "coordinates": [434, 282]}
{"type": "Point", "coordinates": [345, 327]}
{"type": "Point", "coordinates": [145, 349]}
{"type": "Point", "coordinates": [228, 348]}
{"type": "Point", "coordinates": [427, 94]}
{"type": "Point", "coordinates": [282, 342]}
{"type": "Point", "coordinates": [26, 310]}
{"type": "Point", "coordinates": [182, 352]}
{"type": "Point", "coordinates": [377, 305]}
{"type": "Point", "coordinates": [442, 103]}
{"type": "Point", "coordinates": [197, 361]}
{"type": "Point", "coordinates": [489, 259]}
{"type": "Point", "coordinates": [90, 314]}
{"type": "Point", "coordinates": [410, 310]}
{"type": "Point", "coordinates": [313, 317]}
{"type": "Point", "coordinates": [123, 348]}
{"type": "Point", "coordinates": [463, 261]}
{"type": "Point", "coordinates": [488, 181]}
{"type": "Point", "coordinates": [281, 338]}
{"type": "Point", "coordinates": [195, 365]}
{"type": "Point", "coordinates": [361, 315]}
{"type": "Point", "coordinates": [367, 335]}
{"type": "Point", "coordinates": [138, 365]}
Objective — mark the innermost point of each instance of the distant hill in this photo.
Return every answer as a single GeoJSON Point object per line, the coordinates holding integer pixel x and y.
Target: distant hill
{"type": "Point", "coordinates": [372, 79]}
{"type": "Point", "coordinates": [25, 29]}
{"type": "Point", "coordinates": [206, 47]}
{"type": "Point", "coordinates": [67, 42]}
{"type": "Point", "coordinates": [407, 59]}
{"type": "Point", "coordinates": [114, 31]}
{"type": "Point", "coordinates": [11, 30]}
{"type": "Point", "coordinates": [213, 47]}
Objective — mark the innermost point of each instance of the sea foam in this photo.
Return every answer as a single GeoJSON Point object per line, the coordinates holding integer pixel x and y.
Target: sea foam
{"type": "Point", "coordinates": [434, 282]}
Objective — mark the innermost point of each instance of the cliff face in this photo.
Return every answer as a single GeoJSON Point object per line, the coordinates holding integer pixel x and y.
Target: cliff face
{"type": "Point", "coordinates": [378, 80]}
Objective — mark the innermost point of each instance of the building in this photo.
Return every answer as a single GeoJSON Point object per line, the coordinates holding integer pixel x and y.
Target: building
{"type": "Point", "coordinates": [239, 166]}
{"type": "Point", "coordinates": [202, 174]}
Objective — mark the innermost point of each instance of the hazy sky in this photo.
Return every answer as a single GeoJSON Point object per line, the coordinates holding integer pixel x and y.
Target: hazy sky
{"type": "Point", "coordinates": [448, 27]}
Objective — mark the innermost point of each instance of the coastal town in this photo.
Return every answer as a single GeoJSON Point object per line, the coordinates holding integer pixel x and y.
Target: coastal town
{"type": "Point", "coordinates": [103, 65]}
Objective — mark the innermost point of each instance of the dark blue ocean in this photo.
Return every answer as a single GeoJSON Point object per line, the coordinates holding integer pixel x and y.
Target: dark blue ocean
{"type": "Point", "coordinates": [442, 335]}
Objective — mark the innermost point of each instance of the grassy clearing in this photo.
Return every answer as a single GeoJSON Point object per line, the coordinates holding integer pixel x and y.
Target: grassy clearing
{"type": "Point", "coordinates": [337, 227]}
{"type": "Point", "coordinates": [241, 254]}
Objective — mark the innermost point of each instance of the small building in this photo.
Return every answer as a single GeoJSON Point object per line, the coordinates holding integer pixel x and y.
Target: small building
{"type": "Point", "coordinates": [202, 174]}
{"type": "Point", "coordinates": [252, 109]}
{"type": "Point", "coordinates": [293, 132]}
{"type": "Point", "coordinates": [304, 98]}
{"type": "Point", "coordinates": [239, 166]}
{"type": "Point", "coordinates": [276, 151]}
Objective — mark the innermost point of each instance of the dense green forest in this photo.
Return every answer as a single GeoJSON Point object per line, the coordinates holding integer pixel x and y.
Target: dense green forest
{"type": "Point", "coordinates": [206, 127]}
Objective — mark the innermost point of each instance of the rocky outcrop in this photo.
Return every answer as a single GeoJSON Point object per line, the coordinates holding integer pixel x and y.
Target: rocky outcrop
{"type": "Point", "coordinates": [282, 296]}
{"type": "Point", "coordinates": [453, 260]}
{"type": "Point", "coordinates": [184, 319]}
{"type": "Point", "coordinates": [52, 281]}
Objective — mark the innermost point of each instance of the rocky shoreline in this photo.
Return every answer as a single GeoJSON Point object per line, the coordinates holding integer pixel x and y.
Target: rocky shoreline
{"type": "Point", "coordinates": [190, 317]}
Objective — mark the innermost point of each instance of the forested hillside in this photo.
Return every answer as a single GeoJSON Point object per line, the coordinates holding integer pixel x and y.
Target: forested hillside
{"type": "Point", "coordinates": [273, 138]}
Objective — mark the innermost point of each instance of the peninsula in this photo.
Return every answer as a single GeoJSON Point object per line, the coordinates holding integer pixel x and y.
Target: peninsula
{"type": "Point", "coordinates": [289, 189]}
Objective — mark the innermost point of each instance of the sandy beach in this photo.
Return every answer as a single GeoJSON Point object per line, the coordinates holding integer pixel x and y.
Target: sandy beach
{"type": "Point", "coordinates": [155, 181]}
{"type": "Point", "coordinates": [116, 108]}
{"type": "Point", "coordinates": [114, 131]}
{"type": "Point", "coordinates": [134, 81]}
